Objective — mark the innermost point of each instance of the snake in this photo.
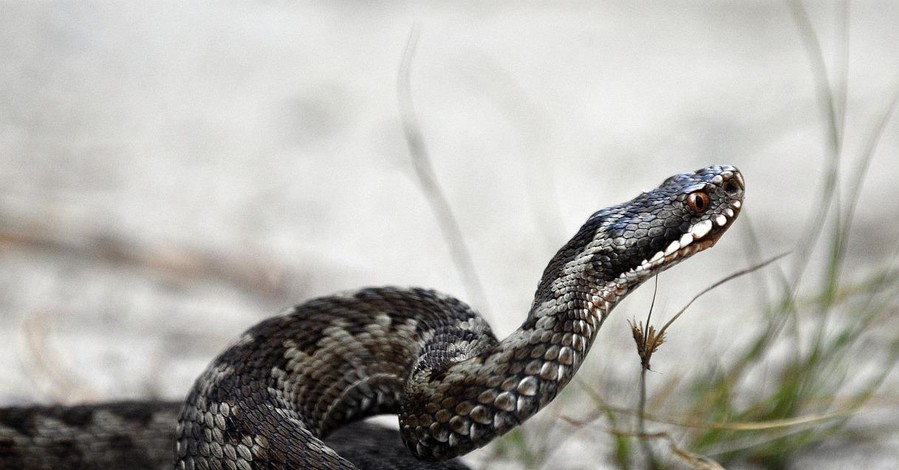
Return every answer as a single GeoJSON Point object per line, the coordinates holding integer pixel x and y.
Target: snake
{"type": "Point", "coordinates": [292, 391]}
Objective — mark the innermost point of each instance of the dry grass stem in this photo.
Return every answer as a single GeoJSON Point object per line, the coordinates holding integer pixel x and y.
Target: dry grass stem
{"type": "Point", "coordinates": [427, 181]}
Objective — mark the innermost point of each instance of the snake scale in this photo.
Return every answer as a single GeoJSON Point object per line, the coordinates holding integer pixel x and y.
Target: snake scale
{"type": "Point", "coordinates": [293, 380]}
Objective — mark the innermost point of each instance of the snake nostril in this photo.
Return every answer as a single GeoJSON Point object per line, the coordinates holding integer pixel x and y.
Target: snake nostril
{"type": "Point", "coordinates": [732, 188]}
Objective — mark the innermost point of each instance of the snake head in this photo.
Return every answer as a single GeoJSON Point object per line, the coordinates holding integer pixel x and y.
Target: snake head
{"type": "Point", "coordinates": [686, 214]}
{"type": "Point", "coordinates": [621, 246]}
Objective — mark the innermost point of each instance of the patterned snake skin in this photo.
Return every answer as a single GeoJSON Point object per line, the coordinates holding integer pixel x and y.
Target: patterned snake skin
{"type": "Point", "coordinates": [294, 379]}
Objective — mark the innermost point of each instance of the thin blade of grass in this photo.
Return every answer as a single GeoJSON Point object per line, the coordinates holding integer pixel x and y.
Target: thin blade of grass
{"type": "Point", "coordinates": [427, 180]}
{"type": "Point", "coordinates": [714, 286]}
{"type": "Point", "coordinates": [829, 188]}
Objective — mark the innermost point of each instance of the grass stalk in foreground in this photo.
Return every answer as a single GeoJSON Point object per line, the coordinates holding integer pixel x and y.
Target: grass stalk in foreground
{"type": "Point", "coordinates": [799, 380]}
{"type": "Point", "coordinates": [427, 182]}
{"type": "Point", "coordinates": [830, 325]}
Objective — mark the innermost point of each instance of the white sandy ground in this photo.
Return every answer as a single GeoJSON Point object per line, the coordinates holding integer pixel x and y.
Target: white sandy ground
{"type": "Point", "coordinates": [246, 156]}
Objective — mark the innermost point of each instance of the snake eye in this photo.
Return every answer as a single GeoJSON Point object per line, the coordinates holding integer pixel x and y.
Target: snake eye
{"type": "Point", "coordinates": [697, 202]}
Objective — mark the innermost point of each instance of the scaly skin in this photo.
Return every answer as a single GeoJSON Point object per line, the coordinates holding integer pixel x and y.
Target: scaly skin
{"type": "Point", "coordinates": [290, 381]}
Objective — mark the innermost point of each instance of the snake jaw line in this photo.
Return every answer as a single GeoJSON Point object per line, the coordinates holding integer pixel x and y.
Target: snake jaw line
{"type": "Point", "coordinates": [684, 247]}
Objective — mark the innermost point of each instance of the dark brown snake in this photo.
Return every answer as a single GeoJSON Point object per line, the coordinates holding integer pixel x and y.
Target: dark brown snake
{"type": "Point", "coordinates": [294, 379]}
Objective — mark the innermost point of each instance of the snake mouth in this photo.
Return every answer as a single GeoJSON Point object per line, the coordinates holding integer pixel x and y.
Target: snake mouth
{"type": "Point", "coordinates": [701, 235]}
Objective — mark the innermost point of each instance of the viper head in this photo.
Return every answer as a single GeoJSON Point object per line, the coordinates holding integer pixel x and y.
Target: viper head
{"type": "Point", "coordinates": [686, 214]}
{"type": "Point", "coordinates": [621, 246]}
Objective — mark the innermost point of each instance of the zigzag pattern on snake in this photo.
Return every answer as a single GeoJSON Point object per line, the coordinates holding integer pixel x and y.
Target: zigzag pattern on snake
{"type": "Point", "coordinates": [293, 380]}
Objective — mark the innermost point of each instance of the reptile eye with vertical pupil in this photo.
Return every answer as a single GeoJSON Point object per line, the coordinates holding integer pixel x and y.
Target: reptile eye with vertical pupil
{"type": "Point", "coordinates": [697, 202]}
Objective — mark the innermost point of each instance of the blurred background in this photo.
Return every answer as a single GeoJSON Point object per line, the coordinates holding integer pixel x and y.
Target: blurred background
{"type": "Point", "coordinates": [171, 174]}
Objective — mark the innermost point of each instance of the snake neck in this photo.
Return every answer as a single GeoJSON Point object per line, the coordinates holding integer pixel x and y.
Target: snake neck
{"type": "Point", "coordinates": [461, 401]}
{"type": "Point", "coordinates": [488, 390]}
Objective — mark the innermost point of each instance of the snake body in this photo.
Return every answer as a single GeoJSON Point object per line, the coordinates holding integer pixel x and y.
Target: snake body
{"type": "Point", "coordinates": [293, 380]}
